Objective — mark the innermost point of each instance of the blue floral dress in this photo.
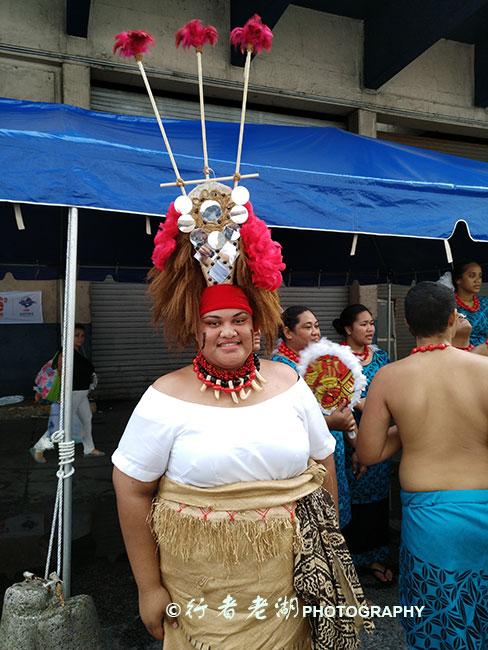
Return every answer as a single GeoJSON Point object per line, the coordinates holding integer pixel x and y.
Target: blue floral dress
{"type": "Point", "coordinates": [367, 533]}
{"type": "Point", "coordinates": [339, 459]}
{"type": "Point", "coordinates": [478, 320]}
{"type": "Point", "coordinates": [282, 359]}
{"type": "Point", "coordinates": [342, 482]}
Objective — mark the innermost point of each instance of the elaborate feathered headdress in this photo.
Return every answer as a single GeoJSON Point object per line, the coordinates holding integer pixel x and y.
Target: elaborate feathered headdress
{"type": "Point", "coordinates": [213, 224]}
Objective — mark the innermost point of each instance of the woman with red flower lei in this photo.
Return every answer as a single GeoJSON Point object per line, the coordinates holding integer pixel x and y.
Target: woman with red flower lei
{"type": "Point", "coordinates": [367, 532]}
{"type": "Point", "coordinates": [467, 279]}
{"type": "Point", "coordinates": [300, 328]}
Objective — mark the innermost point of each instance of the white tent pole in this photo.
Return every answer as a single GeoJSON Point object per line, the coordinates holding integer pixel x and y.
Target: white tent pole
{"type": "Point", "coordinates": [388, 320]}
{"type": "Point", "coordinates": [67, 385]}
{"type": "Point", "coordinates": [61, 304]}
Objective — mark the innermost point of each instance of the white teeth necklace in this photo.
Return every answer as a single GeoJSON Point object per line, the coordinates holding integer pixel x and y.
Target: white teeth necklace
{"type": "Point", "coordinates": [232, 382]}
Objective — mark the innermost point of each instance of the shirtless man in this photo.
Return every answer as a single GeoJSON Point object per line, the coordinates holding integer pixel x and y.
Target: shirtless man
{"type": "Point", "coordinates": [438, 400]}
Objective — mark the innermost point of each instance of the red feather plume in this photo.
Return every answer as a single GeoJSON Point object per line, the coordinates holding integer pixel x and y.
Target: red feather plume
{"type": "Point", "coordinates": [133, 42]}
{"type": "Point", "coordinates": [165, 240]}
{"type": "Point", "coordinates": [254, 35]}
{"type": "Point", "coordinates": [194, 34]}
{"type": "Point", "coordinates": [264, 256]}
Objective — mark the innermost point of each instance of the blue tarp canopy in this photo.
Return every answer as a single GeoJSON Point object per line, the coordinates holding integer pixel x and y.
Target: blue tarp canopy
{"type": "Point", "coordinates": [310, 177]}
{"type": "Point", "coordinates": [319, 179]}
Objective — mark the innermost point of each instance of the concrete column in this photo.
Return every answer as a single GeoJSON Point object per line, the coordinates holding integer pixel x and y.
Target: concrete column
{"type": "Point", "coordinates": [366, 295]}
{"type": "Point", "coordinates": [362, 122]}
{"type": "Point", "coordinates": [76, 85]}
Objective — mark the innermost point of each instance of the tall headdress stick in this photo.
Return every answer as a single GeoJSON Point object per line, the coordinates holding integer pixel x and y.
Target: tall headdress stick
{"type": "Point", "coordinates": [194, 34]}
{"type": "Point", "coordinates": [136, 43]}
{"type": "Point", "coordinates": [253, 38]}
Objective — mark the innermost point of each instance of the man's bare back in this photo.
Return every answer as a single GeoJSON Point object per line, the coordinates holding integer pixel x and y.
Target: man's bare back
{"type": "Point", "coordinates": [439, 402]}
{"type": "Point", "coordinates": [437, 398]}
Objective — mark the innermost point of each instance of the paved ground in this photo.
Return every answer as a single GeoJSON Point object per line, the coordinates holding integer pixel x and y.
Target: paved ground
{"type": "Point", "coordinates": [100, 567]}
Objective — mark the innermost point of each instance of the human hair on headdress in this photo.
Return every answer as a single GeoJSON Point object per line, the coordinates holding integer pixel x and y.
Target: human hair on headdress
{"type": "Point", "coordinates": [177, 282]}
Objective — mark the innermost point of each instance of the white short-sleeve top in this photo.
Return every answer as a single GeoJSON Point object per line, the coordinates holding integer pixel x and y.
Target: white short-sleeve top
{"type": "Point", "coordinates": [206, 446]}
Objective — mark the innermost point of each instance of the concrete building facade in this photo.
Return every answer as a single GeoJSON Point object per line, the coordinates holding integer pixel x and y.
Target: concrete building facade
{"type": "Point", "coordinates": [315, 65]}
{"type": "Point", "coordinates": [315, 70]}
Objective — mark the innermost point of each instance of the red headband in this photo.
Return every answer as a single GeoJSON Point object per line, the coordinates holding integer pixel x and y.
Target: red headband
{"type": "Point", "coordinates": [223, 296]}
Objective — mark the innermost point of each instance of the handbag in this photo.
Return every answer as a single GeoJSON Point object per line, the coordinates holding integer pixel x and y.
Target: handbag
{"type": "Point", "coordinates": [47, 384]}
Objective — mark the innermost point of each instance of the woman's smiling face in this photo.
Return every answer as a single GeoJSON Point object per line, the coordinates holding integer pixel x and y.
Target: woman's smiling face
{"type": "Point", "coordinates": [225, 337]}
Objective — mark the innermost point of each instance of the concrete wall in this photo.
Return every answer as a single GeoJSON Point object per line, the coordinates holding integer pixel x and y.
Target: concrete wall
{"type": "Point", "coordinates": [29, 80]}
{"type": "Point", "coordinates": [51, 292]}
{"type": "Point", "coordinates": [316, 61]}
{"type": "Point", "coordinates": [366, 295]}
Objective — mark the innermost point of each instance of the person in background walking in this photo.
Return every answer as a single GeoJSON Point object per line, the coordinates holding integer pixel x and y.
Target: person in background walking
{"type": "Point", "coordinates": [83, 373]}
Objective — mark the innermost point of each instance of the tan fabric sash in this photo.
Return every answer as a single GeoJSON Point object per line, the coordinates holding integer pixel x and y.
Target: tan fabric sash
{"type": "Point", "coordinates": [245, 496]}
{"type": "Point", "coordinates": [232, 522]}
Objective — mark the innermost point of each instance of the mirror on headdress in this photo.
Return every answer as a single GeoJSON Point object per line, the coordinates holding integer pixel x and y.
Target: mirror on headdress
{"type": "Point", "coordinates": [211, 211]}
{"type": "Point", "coordinates": [216, 240]}
{"type": "Point", "coordinates": [198, 237]}
{"type": "Point", "coordinates": [212, 217]}
{"type": "Point", "coordinates": [232, 232]}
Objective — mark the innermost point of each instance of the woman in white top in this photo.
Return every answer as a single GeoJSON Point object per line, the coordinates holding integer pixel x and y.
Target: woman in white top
{"type": "Point", "coordinates": [187, 435]}
{"type": "Point", "coordinates": [224, 521]}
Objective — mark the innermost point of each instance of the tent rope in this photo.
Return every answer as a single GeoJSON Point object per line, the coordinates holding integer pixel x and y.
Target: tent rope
{"type": "Point", "coordinates": [66, 452]}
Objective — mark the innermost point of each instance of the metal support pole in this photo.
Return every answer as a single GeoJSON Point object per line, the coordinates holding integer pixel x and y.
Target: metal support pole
{"type": "Point", "coordinates": [66, 407]}
{"type": "Point", "coordinates": [388, 320]}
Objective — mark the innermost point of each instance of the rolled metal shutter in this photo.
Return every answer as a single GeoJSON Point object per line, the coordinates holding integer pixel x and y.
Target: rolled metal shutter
{"type": "Point", "coordinates": [133, 103]}
{"type": "Point", "coordinates": [129, 353]}
{"type": "Point", "coordinates": [325, 302]}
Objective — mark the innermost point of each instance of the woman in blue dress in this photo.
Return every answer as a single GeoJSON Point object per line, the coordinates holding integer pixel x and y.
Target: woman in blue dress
{"type": "Point", "coordinates": [467, 279]}
{"type": "Point", "coordinates": [367, 534]}
{"type": "Point", "coordinates": [300, 329]}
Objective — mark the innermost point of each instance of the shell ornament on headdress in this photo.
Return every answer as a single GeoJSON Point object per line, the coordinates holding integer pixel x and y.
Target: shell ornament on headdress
{"type": "Point", "coordinates": [211, 235]}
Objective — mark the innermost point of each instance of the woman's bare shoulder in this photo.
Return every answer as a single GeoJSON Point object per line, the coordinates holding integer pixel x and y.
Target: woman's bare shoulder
{"type": "Point", "coordinates": [173, 383]}
{"type": "Point", "coordinates": [279, 372]}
